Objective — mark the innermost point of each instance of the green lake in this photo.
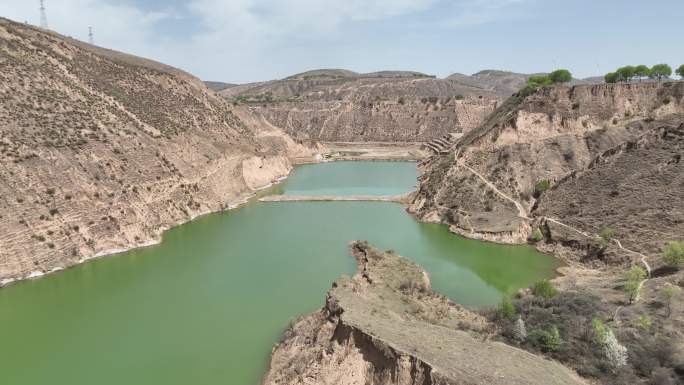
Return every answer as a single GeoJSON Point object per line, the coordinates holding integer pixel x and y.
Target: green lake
{"type": "Point", "coordinates": [206, 305]}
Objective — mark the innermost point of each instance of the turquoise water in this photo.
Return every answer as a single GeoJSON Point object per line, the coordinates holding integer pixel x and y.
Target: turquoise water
{"type": "Point", "coordinates": [344, 178]}
{"type": "Point", "coordinates": [207, 304]}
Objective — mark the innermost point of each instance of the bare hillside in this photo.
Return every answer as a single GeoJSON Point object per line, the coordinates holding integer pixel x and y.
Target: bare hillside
{"type": "Point", "coordinates": [100, 151]}
{"type": "Point", "coordinates": [386, 106]}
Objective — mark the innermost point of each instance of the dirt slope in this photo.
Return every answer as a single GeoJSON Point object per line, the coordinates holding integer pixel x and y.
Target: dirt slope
{"type": "Point", "coordinates": [545, 136]}
{"type": "Point", "coordinates": [387, 106]}
{"type": "Point", "coordinates": [611, 155]}
{"type": "Point", "coordinates": [386, 326]}
{"type": "Point", "coordinates": [100, 151]}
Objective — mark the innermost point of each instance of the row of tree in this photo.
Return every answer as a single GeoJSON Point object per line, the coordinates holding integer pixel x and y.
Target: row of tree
{"type": "Point", "coordinates": [629, 73]}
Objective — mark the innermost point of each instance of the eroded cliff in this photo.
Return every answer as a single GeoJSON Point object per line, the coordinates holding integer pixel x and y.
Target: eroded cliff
{"type": "Point", "coordinates": [488, 184]}
{"type": "Point", "coordinates": [592, 174]}
{"type": "Point", "coordinates": [101, 151]}
{"type": "Point", "coordinates": [341, 106]}
{"type": "Point", "coordinates": [386, 326]}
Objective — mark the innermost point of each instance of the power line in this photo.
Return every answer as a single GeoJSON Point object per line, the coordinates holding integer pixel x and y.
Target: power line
{"type": "Point", "coordinates": [43, 15]}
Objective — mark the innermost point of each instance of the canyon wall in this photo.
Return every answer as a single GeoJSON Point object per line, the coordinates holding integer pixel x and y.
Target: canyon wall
{"type": "Point", "coordinates": [101, 151]}
{"type": "Point", "coordinates": [334, 106]}
{"type": "Point", "coordinates": [487, 186]}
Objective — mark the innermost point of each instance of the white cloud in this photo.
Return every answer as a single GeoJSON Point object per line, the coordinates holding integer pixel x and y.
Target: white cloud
{"type": "Point", "coordinates": [236, 39]}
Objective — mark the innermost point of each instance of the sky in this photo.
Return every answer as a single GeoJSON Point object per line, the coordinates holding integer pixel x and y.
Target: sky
{"type": "Point", "coordinates": [240, 41]}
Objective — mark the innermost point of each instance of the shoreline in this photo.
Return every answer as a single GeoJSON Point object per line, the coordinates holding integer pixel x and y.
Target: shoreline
{"type": "Point", "coordinates": [404, 200]}
{"type": "Point", "coordinates": [156, 240]}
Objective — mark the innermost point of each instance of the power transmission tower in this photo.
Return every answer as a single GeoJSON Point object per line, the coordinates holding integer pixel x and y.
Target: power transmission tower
{"type": "Point", "coordinates": [91, 40]}
{"type": "Point", "coordinates": [43, 16]}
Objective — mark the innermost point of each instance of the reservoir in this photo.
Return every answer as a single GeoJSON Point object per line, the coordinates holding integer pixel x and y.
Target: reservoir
{"type": "Point", "coordinates": [206, 305]}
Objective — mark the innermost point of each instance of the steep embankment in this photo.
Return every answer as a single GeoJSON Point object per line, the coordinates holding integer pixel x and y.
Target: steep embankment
{"type": "Point", "coordinates": [548, 135]}
{"type": "Point", "coordinates": [101, 151]}
{"type": "Point", "coordinates": [596, 172]}
{"type": "Point", "coordinates": [386, 326]}
{"type": "Point", "coordinates": [341, 106]}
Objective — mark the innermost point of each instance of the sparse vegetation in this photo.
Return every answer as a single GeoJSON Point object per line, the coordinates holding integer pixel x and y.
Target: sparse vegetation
{"type": "Point", "coordinates": [605, 236]}
{"type": "Point", "coordinates": [542, 186]}
{"type": "Point", "coordinates": [674, 254]}
{"type": "Point", "coordinates": [667, 293]}
{"type": "Point", "coordinates": [545, 289]}
{"type": "Point", "coordinates": [537, 235]}
{"type": "Point", "coordinates": [599, 329]}
{"type": "Point", "coordinates": [537, 81]}
{"type": "Point", "coordinates": [644, 322]}
{"type": "Point", "coordinates": [506, 309]}
{"type": "Point", "coordinates": [547, 339]}
{"type": "Point", "coordinates": [633, 280]}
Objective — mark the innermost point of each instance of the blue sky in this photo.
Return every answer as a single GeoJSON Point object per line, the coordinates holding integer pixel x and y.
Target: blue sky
{"type": "Point", "coordinates": [251, 40]}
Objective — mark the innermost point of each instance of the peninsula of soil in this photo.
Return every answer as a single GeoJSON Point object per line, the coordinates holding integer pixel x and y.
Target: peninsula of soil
{"type": "Point", "coordinates": [385, 325]}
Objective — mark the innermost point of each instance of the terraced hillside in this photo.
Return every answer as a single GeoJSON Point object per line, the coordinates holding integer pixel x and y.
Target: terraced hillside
{"type": "Point", "coordinates": [545, 136]}
{"type": "Point", "coordinates": [592, 174]}
{"type": "Point", "coordinates": [387, 106]}
{"type": "Point", "coordinates": [100, 151]}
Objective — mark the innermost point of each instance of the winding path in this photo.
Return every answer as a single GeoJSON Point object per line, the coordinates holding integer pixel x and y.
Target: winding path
{"type": "Point", "coordinates": [522, 213]}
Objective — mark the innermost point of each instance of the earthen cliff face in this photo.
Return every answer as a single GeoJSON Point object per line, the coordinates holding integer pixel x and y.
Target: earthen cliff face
{"type": "Point", "coordinates": [100, 151]}
{"type": "Point", "coordinates": [385, 326]}
{"type": "Point", "coordinates": [342, 107]}
{"type": "Point", "coordinates": [550, 135]}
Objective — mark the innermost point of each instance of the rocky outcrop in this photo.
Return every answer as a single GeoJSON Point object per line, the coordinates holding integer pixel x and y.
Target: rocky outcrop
{"type": "Point", "coordinates": [385, 326]}
{"type": "Point", "coordinates": [486, 184]}
{"type": "Point", "coordinates": [101, 151]}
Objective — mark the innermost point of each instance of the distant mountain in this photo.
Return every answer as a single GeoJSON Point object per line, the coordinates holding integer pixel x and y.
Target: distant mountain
{"type": "Point", "coordinates": [503, 83]}
{"type": "Point", "coordinates": [325, 73]}
{"type": "Point", "coordinates": [218, 86]}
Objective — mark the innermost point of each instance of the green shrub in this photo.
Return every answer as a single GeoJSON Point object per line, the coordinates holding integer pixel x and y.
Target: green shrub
{"type": "Point", "coordinates": [611, 77]}
{"type": "Point", "coordinates": [661, 71]}
{"type": "Point", "coordinates": [506, 309]}
{"type": "Point", "coordinates": [548, 339]}
{"type": "Point", "coordinates": [560, 76]}
{"type": "Point", "coordinates": [606, 234]}
{"type": "Point", "coordinates": [600, 330]}
{"type": "Point", "coordinates": [626, 73]}
{"type": "Point", "coordinates": [667, 294]}
{"type": "Point", "coordinates": [537, 235]}
{"type": "Point", "coordinates": [539, 81]}
{"type": "Point", "coordinates": [674, 253]}
{"type": "Point", "coordinates": [680, 71]}
{"type": "Point", "coordinates": [644, 322]}
{"type": "Point", "coordinates": [544, 288]}
{"type": "Point", "coordinates": [542, 185]}
{"type": "Point", "coordinates": [633, 280]}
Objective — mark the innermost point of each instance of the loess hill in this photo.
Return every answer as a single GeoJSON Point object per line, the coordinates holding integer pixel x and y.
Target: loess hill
{"type": "Point", "coordinates": [100, 151]}
{"type": "Point", "coordinates": [594, 175]}
{"type": "Point", "coordinates": [386, 106]}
